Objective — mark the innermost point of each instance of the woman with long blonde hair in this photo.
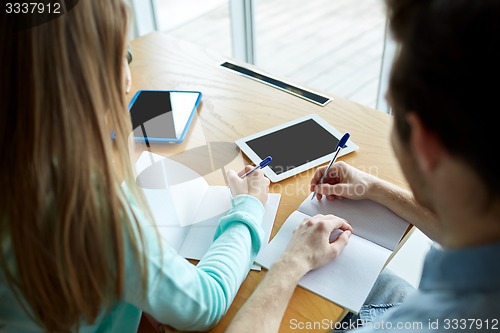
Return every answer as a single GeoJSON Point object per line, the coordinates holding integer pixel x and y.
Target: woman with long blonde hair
{"type": "Point", "coordinates": [77, 250]}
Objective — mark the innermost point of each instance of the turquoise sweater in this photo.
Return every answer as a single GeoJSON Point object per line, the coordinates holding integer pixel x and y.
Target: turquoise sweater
{"type": "Point", "coordinates": [178, 294]}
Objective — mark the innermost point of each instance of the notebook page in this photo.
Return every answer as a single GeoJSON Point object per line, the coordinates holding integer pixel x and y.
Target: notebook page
{"type": "Point", "coordinates": [173, 235]}
{"type": "Point", "coordinates": [216, 201]}
{"type": "Point", "coordinates": [347, 280]}
{"type": "Point", "coordinates": [201, 235]}
{"type": "Point", "coordinates": [187, 198]}
{"type": "Point", "coordinates": [368, 219]}
{"type": "Point", "coordinates": [187, 187]}
{"type": "Point", "coordinates": [156, 171]}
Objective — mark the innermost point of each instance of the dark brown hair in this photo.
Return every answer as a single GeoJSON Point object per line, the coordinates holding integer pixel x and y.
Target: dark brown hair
{"type": "Point", "coordinates": [447, 71]}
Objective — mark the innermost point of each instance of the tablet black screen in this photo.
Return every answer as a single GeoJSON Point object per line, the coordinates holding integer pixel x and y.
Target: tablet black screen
{"type": "Point", "coordinates": [152, 115]}
{"type": "Point", "coordinates": [295, 145]}
{"type": "Point", "coordinates": [158, 114]}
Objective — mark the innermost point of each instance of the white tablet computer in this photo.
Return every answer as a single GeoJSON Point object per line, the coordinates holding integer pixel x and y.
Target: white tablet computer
{"type": "Point", "coordinates": [295, 146]}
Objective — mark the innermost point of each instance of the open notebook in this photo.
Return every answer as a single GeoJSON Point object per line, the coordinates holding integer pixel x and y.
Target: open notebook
{"type": "Point", "coordinates": [348, 279]}
{"type": "Point", "coordinates": [185, 208]}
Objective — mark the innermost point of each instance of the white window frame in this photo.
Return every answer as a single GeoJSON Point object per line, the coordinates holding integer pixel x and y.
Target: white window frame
{"type": "Point", "coordinates": [145, 17]}
{"type": "Point", "coordinates": [242, 25]}
{"type": "Point", "coordinates": [243, 30]}
{"type": "Point", "coordinates": [388, 53]}
{"type": "Point", "coordinates": [243, 37]}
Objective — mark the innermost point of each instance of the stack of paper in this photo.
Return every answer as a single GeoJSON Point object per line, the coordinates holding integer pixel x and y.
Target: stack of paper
{"type": "Point", "coordinates": [185, 208]}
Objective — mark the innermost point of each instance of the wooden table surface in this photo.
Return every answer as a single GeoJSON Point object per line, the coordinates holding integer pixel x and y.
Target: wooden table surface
{"type": "Point", "coordinates": [234, 106]}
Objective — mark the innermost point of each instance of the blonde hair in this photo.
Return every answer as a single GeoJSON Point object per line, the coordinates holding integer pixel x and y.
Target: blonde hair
{"type": "Point", "coordinates": [63, 215]}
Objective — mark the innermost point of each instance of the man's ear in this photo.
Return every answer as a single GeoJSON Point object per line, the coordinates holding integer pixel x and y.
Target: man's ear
{"type": "Point", "coordinates": [424, 143]}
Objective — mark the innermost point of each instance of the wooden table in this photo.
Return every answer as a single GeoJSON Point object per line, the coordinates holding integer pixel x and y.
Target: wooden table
{"type": "Point", "coordinates": [234, 106]}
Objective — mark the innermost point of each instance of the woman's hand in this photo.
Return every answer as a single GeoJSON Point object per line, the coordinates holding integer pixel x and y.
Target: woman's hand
{"type": "Point", "coordinates": [342, 181]}
{"type": "Point", "coordinates": [255, 184]}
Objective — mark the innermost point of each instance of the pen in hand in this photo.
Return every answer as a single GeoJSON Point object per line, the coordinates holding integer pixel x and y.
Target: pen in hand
{"type": "Point", "coordinates": [339, 147]}
{"type": "Point", "coordinates": [265, 162]}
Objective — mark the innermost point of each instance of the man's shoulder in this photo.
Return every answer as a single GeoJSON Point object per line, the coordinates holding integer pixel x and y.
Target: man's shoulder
{"type": "Point", "coordinates": [440, 311]}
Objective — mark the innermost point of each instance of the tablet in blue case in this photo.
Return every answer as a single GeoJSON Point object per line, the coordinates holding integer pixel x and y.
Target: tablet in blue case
{"type": "Point", "coordinates": [163, 116]}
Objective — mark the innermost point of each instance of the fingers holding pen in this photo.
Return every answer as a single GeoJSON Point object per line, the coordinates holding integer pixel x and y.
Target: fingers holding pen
{"type": "Point", "coordinates": [255, 184]}
{"type": "Point", "coordinates": [246, 169]}
{"type": "Point", "coordinates": [324, 181]}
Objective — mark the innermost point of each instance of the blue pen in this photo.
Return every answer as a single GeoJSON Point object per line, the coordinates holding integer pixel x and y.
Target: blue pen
{"type": "Point", "coordinates": [339, 147]}
{"type": "Point", "coordinates": [265, 162]}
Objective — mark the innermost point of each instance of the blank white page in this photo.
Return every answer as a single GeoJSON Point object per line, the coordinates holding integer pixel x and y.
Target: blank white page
{"type": "Point", "coordinates": [347, 280]}
{"type": "Point", "coordinates": [187, 198]}
{"type": "Point", "coordinates": [216, 201]}
{"type": "Point", "coordinates": [200, 235]}
{"type": "Point", "coordinates": [369, 219]}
